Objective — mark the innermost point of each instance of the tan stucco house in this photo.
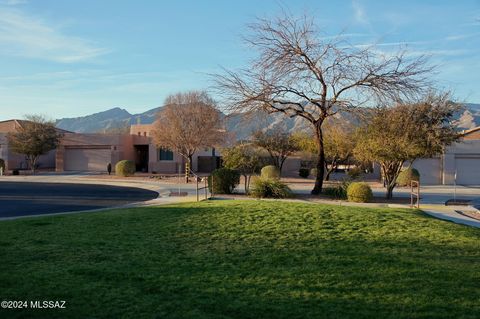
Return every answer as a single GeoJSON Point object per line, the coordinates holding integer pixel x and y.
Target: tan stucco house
{"type": "Point", "coordinates": [93, 152]}
{"type": "Point", "coordinates": [17, 161]}
{"type": "Point", "coordinates": [461, 159]}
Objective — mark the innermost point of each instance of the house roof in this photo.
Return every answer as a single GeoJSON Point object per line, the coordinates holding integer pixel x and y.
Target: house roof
{"type": "Point", "coordinates": [11, 125]}
{"type": "Point", "coordinates": [473, 133]}
{"type": "Point", "coordinates": [475, 129]}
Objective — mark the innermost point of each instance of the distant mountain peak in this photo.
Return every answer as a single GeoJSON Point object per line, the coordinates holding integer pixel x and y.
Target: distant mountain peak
{"type": "Point", "coordinates": [118, 117]}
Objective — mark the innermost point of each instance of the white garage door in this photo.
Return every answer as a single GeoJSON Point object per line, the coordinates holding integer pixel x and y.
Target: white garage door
{"type": "Point", "coordinates": [85, 159]}
{"type": "Point", "coordinates": [429, 169]}
{"type": "Point", "coordinates": [468, 170]}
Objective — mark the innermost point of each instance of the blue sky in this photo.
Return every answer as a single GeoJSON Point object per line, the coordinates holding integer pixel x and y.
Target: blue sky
{"type": "Point", "coordinates": [72, 58]}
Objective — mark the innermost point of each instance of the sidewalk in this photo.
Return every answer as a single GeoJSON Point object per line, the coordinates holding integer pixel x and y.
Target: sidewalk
{"type": "Point", "coordinates": [432, 202]}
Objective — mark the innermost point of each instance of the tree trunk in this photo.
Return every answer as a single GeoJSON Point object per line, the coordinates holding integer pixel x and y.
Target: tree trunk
{"type": "Point", "coordinates": [317, 189]}
{"type": "Point", "coordinates": [390, 188]}
{"type": "Point", "coordinates": [329, 171]}
{"type": "Point", "coordinates": [246, 183]}
{"type": "Point", "coordinates": [190, 162]}
{"type": "Point", "coordinates": [327, 175]}
{"type": "Point", "coordinates": [32, 162]}
{"type": "Point", "coordinates": [282, 161]}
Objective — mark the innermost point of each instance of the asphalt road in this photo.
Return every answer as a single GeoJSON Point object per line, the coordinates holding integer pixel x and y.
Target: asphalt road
{"type": "Point", "coordinates": [24, 199]}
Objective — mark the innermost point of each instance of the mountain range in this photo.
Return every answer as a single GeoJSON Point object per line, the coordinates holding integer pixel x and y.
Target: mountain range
{"type": "Point", "coordinates": [117, 118]}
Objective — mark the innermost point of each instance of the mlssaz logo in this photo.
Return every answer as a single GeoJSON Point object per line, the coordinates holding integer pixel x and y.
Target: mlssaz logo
{"type": "Point", "coordinates": [46, 304]}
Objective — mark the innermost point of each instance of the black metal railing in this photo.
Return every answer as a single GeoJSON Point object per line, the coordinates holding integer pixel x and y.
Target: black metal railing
{"type": "Point", "coordinates": [205, 188]}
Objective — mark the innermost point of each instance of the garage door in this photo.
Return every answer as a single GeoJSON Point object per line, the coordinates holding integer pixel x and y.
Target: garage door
{"type": "Point", "coordinates": [429, 169]}
{"type": "Point", "coordinates": [468, 170]}
{"type": "Point", "coordinates": [84, 159]}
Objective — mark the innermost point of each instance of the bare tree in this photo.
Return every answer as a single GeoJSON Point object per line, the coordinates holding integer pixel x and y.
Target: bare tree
{"type": "Point", "coordinates": [297, 73]}
{"type": "Point", "coordinates": [36, 136]}
{"type": "Point", "coordinates": [187, 122]}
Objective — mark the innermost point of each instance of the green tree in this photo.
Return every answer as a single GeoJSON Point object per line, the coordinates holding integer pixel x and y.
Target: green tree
{"type": "Point", "coordinates": [339, 143]}
{"type": "Point", "coordinates": [406, 132]}
{"type": "Point", "coordinates": [245, 159]}
{"type": "Point", "coordinates": [36, 136]}
{"type": "Point", "coordinates": [278, 143]}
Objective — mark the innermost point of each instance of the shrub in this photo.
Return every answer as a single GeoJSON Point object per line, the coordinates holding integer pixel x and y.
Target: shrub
{"type": "Point", "coordinates": [269, 188]}
{"type": "Point", "coordinates": [359, 192]}
{"type": "Point", "coordinates": [313, 172]}
{"type": "Point", "coordinates": [270, 172]}
{"type": "Point", "coordinates": [407, 176]}
{"type": "Point", "coordinates": [224, 180]}
{"type": "Point", "coordinates": [303, 172]}
{"type": "Point", "coordinates": [2, 164]}
{"type": "Point", "coordinates": [125, 168]}
{"type": "Point", "coordinates": [354, 173]}
{"type": "Point", "coordinates": [337, 192]}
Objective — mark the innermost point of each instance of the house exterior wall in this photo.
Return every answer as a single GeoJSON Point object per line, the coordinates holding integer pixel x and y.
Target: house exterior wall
{"type": "Point", "coordinates": [18, 161]}
{"type": "Point", "coordinates": [467, 148]}
{"type": "Point", "coordinates": [430, 170]}
{"type": "Point", "coordinates": [119, 145]}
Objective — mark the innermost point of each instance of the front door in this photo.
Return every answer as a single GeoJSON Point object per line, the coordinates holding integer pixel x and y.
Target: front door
{"type": "Point", "coordinates": [141, 158]}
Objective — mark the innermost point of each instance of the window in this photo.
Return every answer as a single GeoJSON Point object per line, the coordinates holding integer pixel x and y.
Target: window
{"type": "Point", "coordinates": [165, 155]}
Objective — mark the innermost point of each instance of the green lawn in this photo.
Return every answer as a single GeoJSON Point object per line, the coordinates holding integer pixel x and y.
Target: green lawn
{"type": "Point", "coordinates": [242, 259]}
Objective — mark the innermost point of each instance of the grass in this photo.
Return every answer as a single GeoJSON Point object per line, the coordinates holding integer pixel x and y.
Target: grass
{"type": "Point", "coordinates": [242, 259]}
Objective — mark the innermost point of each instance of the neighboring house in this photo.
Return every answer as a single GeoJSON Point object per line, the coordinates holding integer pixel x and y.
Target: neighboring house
{"type": "Point", "coordinates": [93, 152]}
{"type": "Point", "coordinates": [461, 159]}
{"type": "Point", "coordinates": [18, 161]}
{"type": "Point", "coordinates": [165, 161]}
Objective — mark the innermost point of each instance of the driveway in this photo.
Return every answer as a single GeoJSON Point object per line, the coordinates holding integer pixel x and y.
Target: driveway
{"type": "Point", "coordinates": [36, 198]}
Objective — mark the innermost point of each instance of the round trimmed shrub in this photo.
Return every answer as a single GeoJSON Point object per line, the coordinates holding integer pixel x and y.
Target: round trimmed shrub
{"type": "Point", "coordinates": [359, 192]}
{"type": "Point", "coordinates": [303, 172]}
{"type": "Point", "coordinates": [270, 171]}
{"type": "Point", "coordinates": [269, 188]}
{"type": "Point", "coordinates": [125, 168]}
{"type": "Point", "coordinates": [224, 180]}
{"type": "Point", "coordinates": [407, 176]}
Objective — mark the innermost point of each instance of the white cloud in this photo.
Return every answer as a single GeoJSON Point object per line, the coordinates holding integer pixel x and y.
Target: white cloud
{"type": "Point", "coordinates": [359, 13]}
{"type": "Point", "coordinates": [13, 2]}
{"type": "Point", "coordinates": [27, 36]}
{"type": "Point", "coordinates": [456, 37]}
{"type": "Point", "coordinates": [344, 36]}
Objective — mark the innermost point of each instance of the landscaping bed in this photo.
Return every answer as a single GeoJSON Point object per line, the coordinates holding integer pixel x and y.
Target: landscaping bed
{"type": "Point", "coordinates": [242, 259]}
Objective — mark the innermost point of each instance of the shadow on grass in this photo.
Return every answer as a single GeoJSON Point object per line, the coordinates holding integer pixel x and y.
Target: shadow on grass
{"type": "Point", "coordinates": [243, 260]}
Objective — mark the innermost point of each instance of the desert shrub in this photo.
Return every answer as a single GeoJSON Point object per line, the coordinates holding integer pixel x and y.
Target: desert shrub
{"type": "Point", "coordinates": [269, 188]}
{"type": "Point", "coordinates": [354, 173]}
{"type": "Point", "coordinates": [125, 168]}
{"type": "Point", "coordinates": [407, 176]}
{"type": "Point", "coordinates": [359, 192]}
{"type": "Point", "coordinates": [270, 172]}
{"type": "Point", "coordinates": [313, 172]}
{"type": "Point", "coordinates": [337, 192]}
{"type": "Point", "coordinates": [224, 180]}
{"type": "Point", "coordinates": [303, 172]}
{"type": "Point", "coordinates": [2, 164]}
